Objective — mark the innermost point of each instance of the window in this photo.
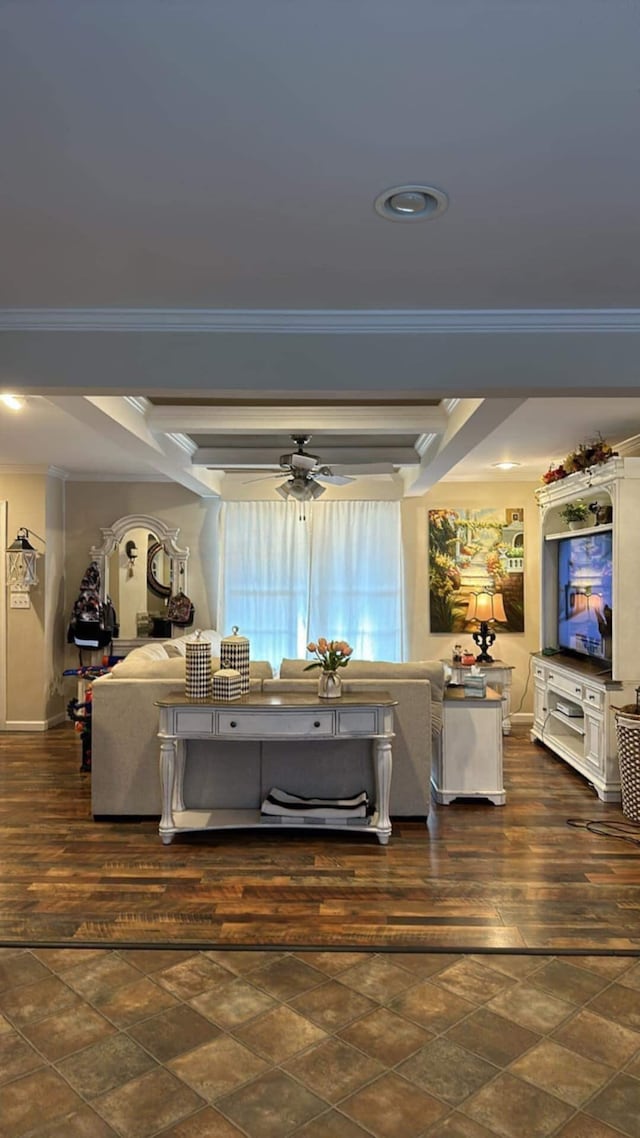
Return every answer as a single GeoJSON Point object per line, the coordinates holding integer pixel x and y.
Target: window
{"type": "Point", "coordinates": [284, 582]}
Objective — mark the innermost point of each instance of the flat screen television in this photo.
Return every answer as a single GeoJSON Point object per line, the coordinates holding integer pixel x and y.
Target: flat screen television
{"type": "Point", "coordinates": [585, 595]}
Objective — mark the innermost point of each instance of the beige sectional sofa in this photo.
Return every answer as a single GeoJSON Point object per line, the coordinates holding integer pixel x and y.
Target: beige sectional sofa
{"type": "Point", "coordinates": [125, 750]}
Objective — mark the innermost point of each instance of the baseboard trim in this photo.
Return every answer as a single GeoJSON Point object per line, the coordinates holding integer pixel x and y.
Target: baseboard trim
{"type": "Point", "coordinates": [522, 718]}
{"type": "Point", "coordinates": [35, 724]}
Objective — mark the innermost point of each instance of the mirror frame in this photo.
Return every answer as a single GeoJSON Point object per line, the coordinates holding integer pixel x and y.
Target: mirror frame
{"type": "Point", "coordinates": [158, 588]}
{"type": "Point", "coordinates": [167, 537]}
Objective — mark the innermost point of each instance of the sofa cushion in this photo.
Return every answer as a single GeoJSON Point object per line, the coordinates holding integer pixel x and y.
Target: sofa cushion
{"type": "Point", "coordinates": [372, 670]}
{"type": "Point", "coordinates": [136, 667]}
{"type": "Point", "coordinates": [143, 668]}
{"type": "Point", "coordinates": [154, 650]}
{"type": "Point", "coordinates": [179, 644]}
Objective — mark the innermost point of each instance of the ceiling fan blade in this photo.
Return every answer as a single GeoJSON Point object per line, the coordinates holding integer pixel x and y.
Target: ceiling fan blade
{"type": "Point", "coordinates": [333, 479]}
{"type": "Point", "coordinates": [263, 478]}
{"type": "Point", "coordinates": [302, 461]}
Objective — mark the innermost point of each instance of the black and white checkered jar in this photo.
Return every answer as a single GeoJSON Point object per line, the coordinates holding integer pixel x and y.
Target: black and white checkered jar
{"type": "Point", "coordinates": [234, 653]}
{"type": "Point", "coordinates": [198, 668]}
{"type": "Point", "coordinates": [227, 684]}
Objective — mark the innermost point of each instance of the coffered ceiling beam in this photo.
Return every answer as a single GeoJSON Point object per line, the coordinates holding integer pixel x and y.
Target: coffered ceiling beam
{"type": "Point", "coordinates": [338, 418]}
{"type": "Point", "coordinates": [122, 421]}
{"type": "Point", "coordinates": [249, 458]}
{"type": "Point", "coordinates": [470, 421]}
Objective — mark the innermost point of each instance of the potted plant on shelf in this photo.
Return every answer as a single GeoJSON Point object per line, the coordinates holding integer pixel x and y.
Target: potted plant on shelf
{"type": "Point", "coordinates": [575, 513]}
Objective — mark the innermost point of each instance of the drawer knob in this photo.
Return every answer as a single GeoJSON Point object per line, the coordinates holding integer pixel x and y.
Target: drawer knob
{"type": "Point", "coordinates": [317, 723]}
{"type": "Point", "coordinates": [233, 723]}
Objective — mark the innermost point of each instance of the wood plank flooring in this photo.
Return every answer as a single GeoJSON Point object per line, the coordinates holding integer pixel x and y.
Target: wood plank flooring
{"type": "Point", "coordinates": [479, 878]}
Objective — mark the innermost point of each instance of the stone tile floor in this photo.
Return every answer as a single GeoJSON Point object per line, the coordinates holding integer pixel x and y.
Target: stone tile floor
{"type": "Point", "coordinates": [136, 1043]}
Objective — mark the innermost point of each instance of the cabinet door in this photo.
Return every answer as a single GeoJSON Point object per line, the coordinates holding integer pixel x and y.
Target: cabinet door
{"type": "Point", "coordinates": [539, 706]}
{"type": "Point", "coordinates": [594, 742]}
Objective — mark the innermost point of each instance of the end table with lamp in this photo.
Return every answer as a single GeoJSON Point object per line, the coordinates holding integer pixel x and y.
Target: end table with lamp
{"type": "Point", "coordinates": [499, 676]}
{"type": "Point", "coordinates": [484, 609]}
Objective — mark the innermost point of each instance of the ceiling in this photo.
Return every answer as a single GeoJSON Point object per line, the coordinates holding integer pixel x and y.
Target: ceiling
{"type": "Point", "coordinates": [193, 270]}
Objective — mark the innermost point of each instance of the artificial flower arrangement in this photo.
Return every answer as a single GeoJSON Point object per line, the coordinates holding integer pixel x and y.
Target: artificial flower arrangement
{"type": "Point", "coordinates": [591, 453]}
{"type": "Point", "coordinates": [332, 654]}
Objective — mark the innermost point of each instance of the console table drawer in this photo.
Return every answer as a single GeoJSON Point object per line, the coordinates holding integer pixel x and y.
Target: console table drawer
{"type": "Point", "coordinates": [357, 722]}
{"type": "Point", "coordinates": [194, 722]}
{"type": "Point", "coordinates": [276, 725]}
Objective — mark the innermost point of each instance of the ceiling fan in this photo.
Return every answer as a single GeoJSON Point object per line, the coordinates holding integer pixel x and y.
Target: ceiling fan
{"type": "Point", "coordinates": [306, 472]}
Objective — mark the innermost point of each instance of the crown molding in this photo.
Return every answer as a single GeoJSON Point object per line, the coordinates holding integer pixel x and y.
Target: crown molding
{"type": "Point", "coordinates": [328, 321]}
{"type": "Point", "coordinates": [93, 476]}
{"type": "Point", "coordinates": [53, 471]}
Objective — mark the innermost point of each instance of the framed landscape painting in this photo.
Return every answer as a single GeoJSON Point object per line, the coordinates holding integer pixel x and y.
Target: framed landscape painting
{"type": "Point", "coordinates": [471, 551]}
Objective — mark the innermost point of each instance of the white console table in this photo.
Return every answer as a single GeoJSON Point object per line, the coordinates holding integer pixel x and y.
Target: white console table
{"type": "Point", "coordinates": [498, 677]}
{"type": "Point", "coordinates": [470, 763]}
{"type": "Point", "coordinates": [263, 716]}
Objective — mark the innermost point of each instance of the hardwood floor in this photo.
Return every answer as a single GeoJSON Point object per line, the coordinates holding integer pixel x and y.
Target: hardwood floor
{"type": "Point", "coordinates": [480, 878]}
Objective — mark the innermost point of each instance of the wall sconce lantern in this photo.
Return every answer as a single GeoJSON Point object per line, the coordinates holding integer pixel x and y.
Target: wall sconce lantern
{"type": "Point", "coordinates": [131, 552]}
{"type": "Point", "coordinates": [21, 558]}
{"type": "Point", "coordinates": [485, 608]}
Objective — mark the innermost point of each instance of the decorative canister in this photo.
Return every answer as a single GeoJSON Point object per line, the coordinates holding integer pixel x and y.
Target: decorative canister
{"type": "Point", "coordinates": [198, 668]}
{"type": "Point", "coordinates": [234, 653]}
{"type": "Point", "coordinates": [227, 684]}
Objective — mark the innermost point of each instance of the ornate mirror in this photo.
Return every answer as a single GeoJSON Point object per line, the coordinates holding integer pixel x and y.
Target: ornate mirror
{"type": "Point", "coordinates": [141, 565]}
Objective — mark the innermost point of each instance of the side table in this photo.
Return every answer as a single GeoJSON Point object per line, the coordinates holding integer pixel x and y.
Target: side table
{"type": "Point", "coordinates": [470, 765]}
{"type": "Point", "coordinates": [498, 676]}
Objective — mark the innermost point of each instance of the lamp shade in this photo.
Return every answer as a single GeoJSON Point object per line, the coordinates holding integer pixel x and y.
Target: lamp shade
{"type": "Point", "coordinates": [485, 606]}
{"type": "Point", "coordinates": [21, 562]}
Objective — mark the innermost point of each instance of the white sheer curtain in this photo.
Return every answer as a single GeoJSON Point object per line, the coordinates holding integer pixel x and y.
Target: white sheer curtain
{"type": "Point", "coordinates": [356, 578]}
{"type": "Point", "coordinates": [338, 574]}
{"type": "Point", "coordinates": [264, 577]}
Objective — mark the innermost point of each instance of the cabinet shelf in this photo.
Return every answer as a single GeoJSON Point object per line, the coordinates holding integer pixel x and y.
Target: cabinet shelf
{"type": "Point", "coordinates": [583, 530]}
{"type": "Point", "coordinates": [575, 722]}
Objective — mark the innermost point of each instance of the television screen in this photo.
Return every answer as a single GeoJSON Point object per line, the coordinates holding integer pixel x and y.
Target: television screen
{"type": "Point", "coordinates": [585, 594]}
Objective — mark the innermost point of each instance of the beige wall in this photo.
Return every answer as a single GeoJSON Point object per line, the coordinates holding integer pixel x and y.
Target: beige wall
{"type": "Point", "coordinates": [512, 648]}
{"type": "Point", "coordinates": [55, 615]}
{"type": "Point", "coordinates": [70, 517]}
{"type": "Point", "coordinates": [34, 653]}
{"type": "Point", "coordinates": [91, 506]}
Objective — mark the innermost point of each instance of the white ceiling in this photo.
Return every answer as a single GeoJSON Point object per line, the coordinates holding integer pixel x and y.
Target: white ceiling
{"type": "Point", "coordinates": [186, 209]}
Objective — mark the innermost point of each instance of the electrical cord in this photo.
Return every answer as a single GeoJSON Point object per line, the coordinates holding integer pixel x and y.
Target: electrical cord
{"type": "Point", "coordinates": [626, 831]}
{"type": "Point", "coordinates": [526, 686]}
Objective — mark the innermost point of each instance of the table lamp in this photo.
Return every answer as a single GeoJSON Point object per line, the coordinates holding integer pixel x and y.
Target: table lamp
{"type": "Point", "coordinates": [485, 607]}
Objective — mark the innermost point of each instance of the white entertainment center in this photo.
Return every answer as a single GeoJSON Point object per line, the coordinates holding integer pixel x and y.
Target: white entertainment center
{"type": "Point", "coordinates": [576, 692]}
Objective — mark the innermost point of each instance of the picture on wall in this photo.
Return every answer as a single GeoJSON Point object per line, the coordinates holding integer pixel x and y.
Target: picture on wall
{"type": "Point", "coordinates": [473, 551]}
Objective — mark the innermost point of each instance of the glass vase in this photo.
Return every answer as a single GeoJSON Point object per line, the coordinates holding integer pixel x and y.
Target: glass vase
{"type": "Point", "coordinates": [329, 685]}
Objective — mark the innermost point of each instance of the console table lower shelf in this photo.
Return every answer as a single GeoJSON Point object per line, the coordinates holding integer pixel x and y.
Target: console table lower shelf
{"type": "Point", "coordinates": [261, 716]}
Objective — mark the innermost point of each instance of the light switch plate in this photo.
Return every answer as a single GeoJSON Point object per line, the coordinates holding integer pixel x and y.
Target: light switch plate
{"type": "Point", "coordinates": [20, 601]}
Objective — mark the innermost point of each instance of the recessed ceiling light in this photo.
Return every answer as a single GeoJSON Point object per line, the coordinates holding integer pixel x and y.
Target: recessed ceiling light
{"type": "Point", "coordinates": [505, 465]}
{"type": "Point", "coordinates": [14, 402]}
{"type": "Point", "coordinates": [411, 203]}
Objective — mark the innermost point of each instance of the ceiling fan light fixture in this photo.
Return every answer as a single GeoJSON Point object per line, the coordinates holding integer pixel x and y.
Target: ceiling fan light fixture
{"type": "Point", "coordinates": [300, 491]}
{"type": "Point", "coordinates": [411, 203]}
